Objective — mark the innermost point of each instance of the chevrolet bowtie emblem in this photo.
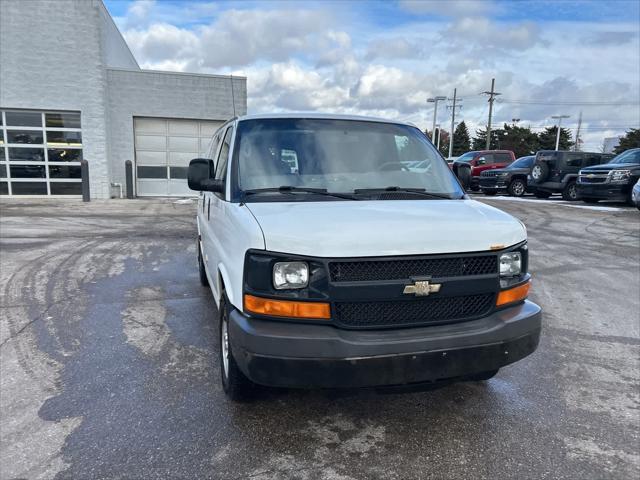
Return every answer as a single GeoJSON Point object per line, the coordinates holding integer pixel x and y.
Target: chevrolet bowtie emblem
{"type": "Point", "coordinates": [422, 288]}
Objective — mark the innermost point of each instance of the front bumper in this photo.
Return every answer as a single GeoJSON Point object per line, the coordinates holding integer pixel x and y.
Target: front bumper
{"type": "Point", "coordinates": [492, 183]}
{"type": "Point", "coordinates": [302, 355]}
{"type": "Point", "coordinates": [604, 191]}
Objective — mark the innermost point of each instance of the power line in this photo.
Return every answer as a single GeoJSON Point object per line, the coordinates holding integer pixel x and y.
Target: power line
{"type": "Point", "coordinates": [578, 103]}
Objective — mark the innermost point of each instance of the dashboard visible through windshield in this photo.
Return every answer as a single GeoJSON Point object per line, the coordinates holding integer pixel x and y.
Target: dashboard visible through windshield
{"type": "Point", "coordinates": [316, 158]}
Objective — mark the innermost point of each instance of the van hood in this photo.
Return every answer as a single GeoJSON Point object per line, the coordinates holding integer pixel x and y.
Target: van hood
{"type": "Point", "coordinates": [380, 228]}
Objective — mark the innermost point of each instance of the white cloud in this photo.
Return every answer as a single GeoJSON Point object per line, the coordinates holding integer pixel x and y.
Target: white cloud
{"type": "Point", "coordinates": [328, 60]}
{"type": "Point", "coordinates": [452, 8]}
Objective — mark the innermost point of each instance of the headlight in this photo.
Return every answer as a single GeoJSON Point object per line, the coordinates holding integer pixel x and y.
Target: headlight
{"type": "Point", "coordinates": [290, 275]}
{"type": "Point", "coordinates": [503, 175]}
{"type": "Point", "coordinates": [510, 264]}
{"type": "Point", "coordinates": [619, 176]}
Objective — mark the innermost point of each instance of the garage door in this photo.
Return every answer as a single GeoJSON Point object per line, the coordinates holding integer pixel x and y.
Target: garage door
{"type": "Point", "coordinates": [163, 148]}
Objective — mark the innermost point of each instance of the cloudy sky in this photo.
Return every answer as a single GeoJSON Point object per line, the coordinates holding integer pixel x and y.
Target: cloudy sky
{"type": "Point", "coordinates": [386, 58]}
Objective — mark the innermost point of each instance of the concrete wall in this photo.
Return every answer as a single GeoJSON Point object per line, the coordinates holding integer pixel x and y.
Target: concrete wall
{"type": "Point", "coordinates": [50, 60]}
{"type": "Point", "coordinates": [167, 95]}
{"type": "Point", "coordinates": [115, 51]}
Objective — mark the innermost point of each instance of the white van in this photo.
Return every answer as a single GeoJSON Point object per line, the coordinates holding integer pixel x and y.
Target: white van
{"type": "Point", "coordinates": [336, 262]}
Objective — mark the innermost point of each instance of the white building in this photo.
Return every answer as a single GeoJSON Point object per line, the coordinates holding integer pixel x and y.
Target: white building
{"type": "Point", "coordinates": [70, 89]}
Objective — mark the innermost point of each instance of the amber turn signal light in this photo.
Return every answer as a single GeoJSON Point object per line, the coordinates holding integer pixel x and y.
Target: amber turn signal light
{"type": "Point", "coordinates": [287, 308]}
{"type": "Point", "coordinates": [513, 295]}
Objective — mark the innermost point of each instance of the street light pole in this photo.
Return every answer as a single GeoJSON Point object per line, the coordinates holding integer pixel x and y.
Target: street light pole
{"type": "Point", "coordinates": [435, 101]}
{"type": "Point", "coordinates": [559, 117]}
{"type": "Point", "coordinates": [438, 141]}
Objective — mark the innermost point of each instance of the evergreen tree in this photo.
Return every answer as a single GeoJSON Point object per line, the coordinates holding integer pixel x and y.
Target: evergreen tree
{"type": "Point", "coordinates": [631, 139]}
{"type": "Point", "coordinates": [480, 140]}
{"type": "Point", "coordinates": [520, 140]}
{"type": "Point", "coordinates": [547, 139]}
{"type": "Point", "coordinates": [461, 141]}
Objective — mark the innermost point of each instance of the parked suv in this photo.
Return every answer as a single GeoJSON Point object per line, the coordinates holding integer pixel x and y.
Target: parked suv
{"type": "Point", "coordinates": [557, 171]}
{"type": "Point", "coordinates": [611, 181]}
{"type": "Point", "coordinates": [352, 270]}
{"type": "Point", "coordinates": [513, 178]}
{"type": "Point", "coordinates": [479, 161]}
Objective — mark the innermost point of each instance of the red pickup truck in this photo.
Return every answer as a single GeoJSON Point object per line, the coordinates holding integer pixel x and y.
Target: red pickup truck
{"type": "Point", "coordinates": [479, 161]}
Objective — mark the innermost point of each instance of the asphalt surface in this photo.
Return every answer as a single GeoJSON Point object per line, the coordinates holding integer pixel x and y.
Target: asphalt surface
{"type": "Point", "coordinates": [108, 364]}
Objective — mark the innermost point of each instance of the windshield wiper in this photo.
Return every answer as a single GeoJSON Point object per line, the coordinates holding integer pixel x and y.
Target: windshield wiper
{"type": "Point", "coordinates": [417, 191]}
{"type": "Point", "coordinates": [291, 189]}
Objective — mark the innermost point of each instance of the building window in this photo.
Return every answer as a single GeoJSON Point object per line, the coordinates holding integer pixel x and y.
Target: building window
{"type": "Point", "coordinates": [40, 152]}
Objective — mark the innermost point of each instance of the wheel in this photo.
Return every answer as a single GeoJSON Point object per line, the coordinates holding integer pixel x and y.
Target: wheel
{"type": "Point", "coordinates": [539, 172]}
{"type": "Point", "coordinates": [482, 376]}
{"type": "Point", "coordinates": [204, 281]}
{"type": "Point", "coordinates": [590, 200]}
{"type": "Point", "coordinates": [541, 194]}
{"type": "Point", "coordinates": [491, 193]}
{"type": "Point", "coordinates": [570, 192]}
{"type": "Point", "coordinates": [234, 383]}
{"type": "Point", "coordinates": [475, 188]}
{"type": "Point", "coordinates": [517, 188]}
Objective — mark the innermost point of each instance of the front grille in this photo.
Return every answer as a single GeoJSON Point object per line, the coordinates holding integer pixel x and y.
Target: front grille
{"type": "Point", "coordinates": [412, 312]}
{"type": "Point", "coordinates": [597, 178]}
{"type": "Point", "coordinates": [489, 173]}
{"type": "Point", "coordinates": [372, 270]}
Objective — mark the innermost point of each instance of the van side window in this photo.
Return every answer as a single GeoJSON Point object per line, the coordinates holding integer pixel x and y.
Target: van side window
{"type": "Point", "coordinates": [223, 157]}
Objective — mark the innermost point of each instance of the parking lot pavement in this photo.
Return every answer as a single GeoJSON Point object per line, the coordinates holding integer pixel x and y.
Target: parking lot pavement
{"type": "Point", "coordinates": [108, 364]}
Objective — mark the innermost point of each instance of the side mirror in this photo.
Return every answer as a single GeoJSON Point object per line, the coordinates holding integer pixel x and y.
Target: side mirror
{"type": "Point", "coordinates": [482, 161]}
{"type": "Point", "coordinates": [199, 176]}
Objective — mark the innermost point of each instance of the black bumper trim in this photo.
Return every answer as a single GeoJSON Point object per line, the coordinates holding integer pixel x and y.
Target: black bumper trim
{"type": "Point", "coordinates": [388, 370]}
{"type": "Point", "coordinates": [303, 355]}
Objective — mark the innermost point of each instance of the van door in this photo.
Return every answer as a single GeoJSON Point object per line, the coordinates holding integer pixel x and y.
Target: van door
{"type": "Point", "coordinates": [214, 216]}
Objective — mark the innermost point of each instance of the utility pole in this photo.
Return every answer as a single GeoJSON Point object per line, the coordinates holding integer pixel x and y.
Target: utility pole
{"type": "Point", "coordinates": [559, 117]}
{"type": "Point", "coordinates": [453, 120]}
{"type": "Point", "coordinates": [435, 101]}
{"type": "Point", "coordinates": [491, 94]}
{"type": "Point", "coordinates": [438, 140]}
{"type": "Point", "coordinates": [576, 147]}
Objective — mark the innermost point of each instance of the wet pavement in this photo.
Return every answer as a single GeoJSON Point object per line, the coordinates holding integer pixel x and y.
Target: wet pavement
{"type": "Point", "coordinates": [108, 364]}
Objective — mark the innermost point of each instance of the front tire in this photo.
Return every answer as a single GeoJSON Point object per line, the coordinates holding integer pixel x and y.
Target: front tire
{"type": "Point", "coordinates": [234, 383]}
{"type": "Point", "coordinates": [517, 188]}
{"type": "Point", "coordinates": [570, 192]}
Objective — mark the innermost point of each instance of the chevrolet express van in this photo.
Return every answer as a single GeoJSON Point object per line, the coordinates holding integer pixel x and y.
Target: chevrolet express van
{"type": "Point", "coordinates": [342, 252]}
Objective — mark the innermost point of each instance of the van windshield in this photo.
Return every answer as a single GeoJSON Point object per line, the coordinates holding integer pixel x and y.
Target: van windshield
{"type": "Point", "coordinates": [337, 156]}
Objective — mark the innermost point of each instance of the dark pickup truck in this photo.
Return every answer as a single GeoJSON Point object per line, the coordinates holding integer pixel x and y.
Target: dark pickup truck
{"type": "Point", "coordinates": [557, 171]}
{"type": "Point", "coordinates": [513, 178]}
{"type": "Point", "coordinates": [610, 181]}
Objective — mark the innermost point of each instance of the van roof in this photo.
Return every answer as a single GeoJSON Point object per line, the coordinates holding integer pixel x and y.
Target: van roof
{"type": "Point", "coordinates": [326, 116]}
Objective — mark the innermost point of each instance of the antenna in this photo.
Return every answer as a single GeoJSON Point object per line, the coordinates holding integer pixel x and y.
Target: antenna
{"type": "Point", "coordinates": [233, 97]}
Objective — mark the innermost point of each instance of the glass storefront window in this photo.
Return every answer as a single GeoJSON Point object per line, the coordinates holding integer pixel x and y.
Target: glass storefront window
{"type": "Point", "coordinates": [64, 171]}
{"type": "Point", "coordinates": [66, 188]}
{"type": "Point", "coordinates": [27, 171]}
{"type": "Point", "coordinates": [62, 120]}
{"type": "Point", "coordinates": [67, 138]}
{"type": "Point", "coordinates": [24, 136]}
{"type": "Point", "coordinates": [24, 119]}
{"type": "Point", "coordinates": [152, 172]}
{"type": "Point", "coordinates": [64, 154]}
{"type": "Point", "coordinates": [40, 153]}
{"type": "Point", "coordinates": [29, 188]}
{"type": "Point", "coordinates": [26, 154]}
